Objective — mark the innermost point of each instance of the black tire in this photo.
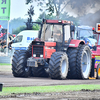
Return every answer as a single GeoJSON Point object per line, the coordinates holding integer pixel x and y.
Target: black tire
{"type": "Point", "coordinates": [29, 50]}
{"type": "Point", "coordinates": [72, 57]}
{"type": "Point", "coordinates": [98, 72]}
{"type": "Point", "coordinates": [84, 60]}
{"type": "Point", "coordinates": [19, 64]}
{"type": "Point", "coordinates": [58, 65]}
{"type": "Point", "coordinates": [39, 71]}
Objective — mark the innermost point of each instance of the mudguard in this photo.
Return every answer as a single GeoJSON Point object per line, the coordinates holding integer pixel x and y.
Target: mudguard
{"type": "Point", "coordinates": [75, 43]}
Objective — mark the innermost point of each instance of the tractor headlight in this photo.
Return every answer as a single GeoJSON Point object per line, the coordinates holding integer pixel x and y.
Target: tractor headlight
{"type": "Point", "coordinates": [34, 55]}
{"type": "Point", "coordinates": [41, 56]}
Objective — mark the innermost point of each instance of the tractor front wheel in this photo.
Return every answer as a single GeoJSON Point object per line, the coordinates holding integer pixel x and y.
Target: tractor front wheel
{"type": "Point", "coordinates": [58, 65]}
{"type": "Point", "coordinates": [19, 64]}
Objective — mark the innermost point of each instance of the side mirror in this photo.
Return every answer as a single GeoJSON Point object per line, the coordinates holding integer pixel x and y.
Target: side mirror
{"type": "Point", "coordinates": [72, 28]}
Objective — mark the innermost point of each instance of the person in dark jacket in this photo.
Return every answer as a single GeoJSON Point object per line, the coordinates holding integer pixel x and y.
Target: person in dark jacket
{"type": "Point", "coordinates": [95, 47]}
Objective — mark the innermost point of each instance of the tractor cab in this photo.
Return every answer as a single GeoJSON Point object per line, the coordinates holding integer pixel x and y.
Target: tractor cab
{"type": "Point", "coordinates": [56, 31]}
{"type": "Point", "coordinates": [85, 33]}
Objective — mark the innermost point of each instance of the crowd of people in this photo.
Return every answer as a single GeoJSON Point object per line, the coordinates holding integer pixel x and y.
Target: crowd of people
{"type": "Point", "coordinates": [3, 39]}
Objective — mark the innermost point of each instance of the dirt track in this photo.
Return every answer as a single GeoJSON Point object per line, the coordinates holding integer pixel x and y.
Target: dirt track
{"type": "Point", "coordinates": [7, 79]}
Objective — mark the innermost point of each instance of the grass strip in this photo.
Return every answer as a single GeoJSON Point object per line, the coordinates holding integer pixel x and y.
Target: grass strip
{"type": "Point", "coordinates": [46, 89]}
{"type": "Point", "coordinates": [3, 64]}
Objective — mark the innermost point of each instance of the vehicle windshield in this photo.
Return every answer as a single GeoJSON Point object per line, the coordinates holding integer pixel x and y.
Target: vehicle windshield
{"type": "Point", "coordinates": [18, 39]}
{"type": "Point", "coordinates": [86, 33]}
{"type": "Point", "coordinates": [51, 32]}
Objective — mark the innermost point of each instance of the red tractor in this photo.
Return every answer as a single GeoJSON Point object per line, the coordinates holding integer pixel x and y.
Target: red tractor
{"type": "Point", "coordinates": [54, 53]}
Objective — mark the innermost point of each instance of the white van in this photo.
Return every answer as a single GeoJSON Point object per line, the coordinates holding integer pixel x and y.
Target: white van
{"type": "Point", "coordinates": [23, 39]}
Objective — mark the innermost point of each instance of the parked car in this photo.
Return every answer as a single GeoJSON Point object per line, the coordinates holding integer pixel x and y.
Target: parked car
{"type": "Point", "coordinates": [23, 39]}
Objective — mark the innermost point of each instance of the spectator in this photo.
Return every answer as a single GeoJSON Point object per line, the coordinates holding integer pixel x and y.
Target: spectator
{"type": "Point", "coordinates": [95, 47]}
{"type": "Point", "coordinates": [88, 44]}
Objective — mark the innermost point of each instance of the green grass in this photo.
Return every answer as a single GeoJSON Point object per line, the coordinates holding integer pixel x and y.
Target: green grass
{"type": "Point", "coordinates": [1, 64]}
{"type": "Point", "coordinates": [45, 89]}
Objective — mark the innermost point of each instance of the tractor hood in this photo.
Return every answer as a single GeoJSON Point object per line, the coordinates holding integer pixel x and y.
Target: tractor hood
{"type": "Point", "coordinates": [91, 41]}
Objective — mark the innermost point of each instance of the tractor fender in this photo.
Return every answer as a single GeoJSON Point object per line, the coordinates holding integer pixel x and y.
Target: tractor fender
{"type": "Point", "coordinates": [75, 43]}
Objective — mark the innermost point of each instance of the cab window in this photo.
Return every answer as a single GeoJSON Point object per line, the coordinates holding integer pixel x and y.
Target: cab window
{"type": "Point", "coordinates": [67, 32]}
{"type": "Point", "coordinates": [18, 39]}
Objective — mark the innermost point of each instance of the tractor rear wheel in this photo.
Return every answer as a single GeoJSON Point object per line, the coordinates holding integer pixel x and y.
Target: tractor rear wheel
{"type": "Point", "coordinates": [98, 71]}
{"type": "Point", "coordinates": [84, 60]}
{"type": "Point", "coordinates": [58, 65]}
{"type": "Point", "coordinates": [19, 64]}
{"type": "Point", "coordinates": [39, 71]}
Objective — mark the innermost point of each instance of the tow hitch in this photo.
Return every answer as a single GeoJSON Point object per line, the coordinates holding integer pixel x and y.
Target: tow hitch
{"type": "Point", "coordinates": [31, 62]}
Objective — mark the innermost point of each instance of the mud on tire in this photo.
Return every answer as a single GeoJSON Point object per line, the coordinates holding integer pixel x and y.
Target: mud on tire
{"type": "Point", "coordinates": [19, 64]}
{"type": "Point", "coordinates": [58, 65]}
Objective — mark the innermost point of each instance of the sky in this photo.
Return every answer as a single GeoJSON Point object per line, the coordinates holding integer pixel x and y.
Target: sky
{"type": "Point", "coordinates": [19, 9]}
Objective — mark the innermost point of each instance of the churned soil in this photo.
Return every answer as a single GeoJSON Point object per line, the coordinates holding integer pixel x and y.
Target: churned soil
{"type": "Point", "coordinates": [8, 80]}
{"type": "Point", "coordinates": [70, 95]}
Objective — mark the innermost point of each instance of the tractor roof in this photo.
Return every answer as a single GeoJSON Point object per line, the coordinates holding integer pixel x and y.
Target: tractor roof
{"type": "Point", "coordinates": [57, 21]}
{"type": "Point", "coordinates": [85, 27]}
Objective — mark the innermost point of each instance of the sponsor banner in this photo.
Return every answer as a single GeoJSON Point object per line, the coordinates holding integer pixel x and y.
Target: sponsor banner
{"type": "Point", "coordinates": [97, 59]}
{"type": "Point", "coordinates": [4, 9]}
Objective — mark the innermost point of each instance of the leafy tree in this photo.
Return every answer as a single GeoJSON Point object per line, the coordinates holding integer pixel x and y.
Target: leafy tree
{"type": "Point", "coordinates": [30, 13]}
{"type": "Point", "coordinates": [28, 1]}
{"type": "Point", "coordinates": [21, 28]}
{"type": "Point", "coordinates": [52, 6]}
{"type": "Point", "coordinates": [36, 27]}
{"type": "Point", "coordinates": [16, 31]}
{"type": "Point", "coordinates": [56, 6]}
{"type": "Point", "coordinates": [44, 16]}
{"type": "Point", "coordinates": [14, 24]}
